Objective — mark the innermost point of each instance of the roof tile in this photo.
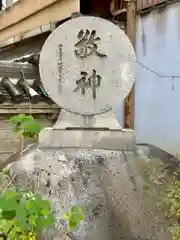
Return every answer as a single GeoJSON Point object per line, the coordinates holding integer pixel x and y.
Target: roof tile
{"type": "Point", "coordinates": [142, 4]}
{"type": "Point", "coordinates": [16, 87]}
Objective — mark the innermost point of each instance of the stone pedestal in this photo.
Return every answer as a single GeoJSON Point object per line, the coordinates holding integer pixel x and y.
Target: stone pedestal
{"type": "Point", "coordinates": [68, 168]}
{"type": "Point", "coordinates": [90, 139]}
{"type": "Point", "coordinates": [77, 160]}
{"type": "Point", "coordinates": [96, 170]}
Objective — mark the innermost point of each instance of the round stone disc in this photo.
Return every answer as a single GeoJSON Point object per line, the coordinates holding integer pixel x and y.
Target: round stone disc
{"type": "Point", "coordinates": [87, 65]}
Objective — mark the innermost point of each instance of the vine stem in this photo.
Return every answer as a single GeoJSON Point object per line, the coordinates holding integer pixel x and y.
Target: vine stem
{"type": "Point", "coordinates": [21, 145]}
{"type": "Point", "coordinates": [6, 187]}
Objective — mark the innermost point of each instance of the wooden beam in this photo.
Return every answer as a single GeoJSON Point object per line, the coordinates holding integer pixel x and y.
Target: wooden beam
{"type": "Point", "coordinates": [131, 33]}
{"type": "Point", "coordinates": [39, 108]}
{"type": "Point", "coordinates": [26, 111]}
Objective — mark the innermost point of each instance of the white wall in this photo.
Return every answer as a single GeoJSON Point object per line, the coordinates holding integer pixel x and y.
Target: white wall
{"type": "Point", "coordinates": [4, 3]}
{"type": "Point", "coordinates": [7, 3]}
{"type": "Point", "coordinates": [157, 102]}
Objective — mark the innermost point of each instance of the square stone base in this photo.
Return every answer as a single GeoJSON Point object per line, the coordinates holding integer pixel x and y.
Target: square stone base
{"type": "Point", "coordinates": [92, 139]}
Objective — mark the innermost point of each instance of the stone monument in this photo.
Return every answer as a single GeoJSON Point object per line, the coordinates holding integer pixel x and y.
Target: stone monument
{"type": "Point", "coordinates": [87, 66]}
{"type": "Point", "coordinates": [92, 69]}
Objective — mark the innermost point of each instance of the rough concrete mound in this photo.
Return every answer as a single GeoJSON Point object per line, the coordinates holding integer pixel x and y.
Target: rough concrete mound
{"type": "Point", "coordinates": [109, 185]}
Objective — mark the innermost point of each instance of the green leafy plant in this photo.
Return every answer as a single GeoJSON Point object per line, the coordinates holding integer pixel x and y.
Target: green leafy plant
{"type": "Point", "coordinates": [163, 185]}
{"type": "Point", "coordinates": [174, 198]}
{"type": "Point", "coordinates": [170, 205]}
{"type": "Point", "coordinates": [175, 232]}
{"type": "Point", "coordinates": [174, 212]}
{"type": "Point", "coordinates": [25, 125]}
{"type": "Point", "coordinates": [23, 215]}
{"type": "Point", "coordinates": [73, 217]}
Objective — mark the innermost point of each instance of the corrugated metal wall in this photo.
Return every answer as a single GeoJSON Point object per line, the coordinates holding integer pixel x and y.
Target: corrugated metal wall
{"type": "Point", "coordinates": [141, 4]}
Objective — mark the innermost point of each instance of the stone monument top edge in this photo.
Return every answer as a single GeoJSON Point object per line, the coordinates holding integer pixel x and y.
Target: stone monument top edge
{"type": "Point", "coordinates": [87, 65]}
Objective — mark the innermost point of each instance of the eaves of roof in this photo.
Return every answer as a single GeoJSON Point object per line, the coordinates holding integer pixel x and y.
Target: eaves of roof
{"type": "Point", "coordinates": [149, 5]}
{"type": "Point", "coordinates": [48, 28]}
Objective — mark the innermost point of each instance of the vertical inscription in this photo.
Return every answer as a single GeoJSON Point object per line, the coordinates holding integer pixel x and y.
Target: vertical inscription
{"type": "Point", "coordinates": [84, 83]}
{"type": "Point", "coordinates": [60, 62]}
{"type": "Point", "coordinates": [87, 46]}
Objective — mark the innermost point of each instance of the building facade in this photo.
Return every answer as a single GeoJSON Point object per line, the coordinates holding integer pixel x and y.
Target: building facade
{"type": "Point", "coordinates": [23, 18]}
{"type": "Point", "coordinates": [25, 25]}
{"type": "Point", "coordinates": [21, 93]}
{"type": "Point", "coordinates": [157, 117]}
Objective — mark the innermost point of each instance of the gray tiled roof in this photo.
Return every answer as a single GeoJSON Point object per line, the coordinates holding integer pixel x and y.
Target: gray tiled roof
{"type": "Point", "coordinates": [20, 82]}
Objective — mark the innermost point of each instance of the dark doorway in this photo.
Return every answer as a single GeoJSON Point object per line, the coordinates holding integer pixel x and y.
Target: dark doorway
{"type": "Point", "coordinates": [85, 7]}
{"type": "Point", "coordinates": [1, 5]}
{"type": "Point", "coordinates": [98, 8]}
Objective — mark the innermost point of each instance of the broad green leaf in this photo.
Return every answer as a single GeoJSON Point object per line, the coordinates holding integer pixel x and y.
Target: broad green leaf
{"type": "Point", "coordinates": [45, 204]}
{"type": "Point", "coordinates": [30, 204]}
{"type": "Point", "coordinates": [74, 216]}
{"type": "Point", "coordinates": [3, 223]}
{"type": "Point", "coordinates": [9, 225]}
{"type": "Point", "coordinates": [20, 118]}
{"type": "Point", "coordinates": [33, 219]}
{"type": "Point", "coordinates": [73, 223]}
{"type": "Point", "coordinates": [9, 215]}
{"type": "Point", "coordinates": [31, 128]}
{"type": "Point", "coordinates": [25, 213]}
{"type": "Point", "coordinates": [45, 212]}
{"type": "Point", "coordinates": [17, 118]}
{"type": "Point", "coordinates": [9, 201]}
{"type": "Point", "coordinates": [21, 215]}
{"type": "Point", "coordinates": [25, 125]}
{"type": "Point", "coordinates": [12, 195]}
{"type": "Point", "coordinates": [8, 204]}
{"type": "Point", "coordinates": [15, 231]}
{"type": "Point", "coordinates": [44, 222]}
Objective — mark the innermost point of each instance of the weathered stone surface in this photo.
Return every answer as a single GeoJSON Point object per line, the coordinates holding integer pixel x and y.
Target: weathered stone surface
{"type": "Point", "coordinates": [108, 51]}
{"type": "Point", "coordinates": [106, 183]}
{"type": "Point", "coordinates": [104, 121]}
